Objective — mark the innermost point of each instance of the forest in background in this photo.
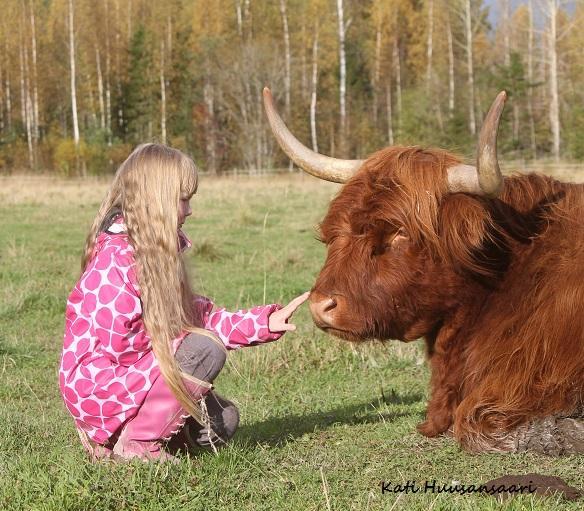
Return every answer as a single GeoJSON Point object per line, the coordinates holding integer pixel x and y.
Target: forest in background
{"type": "Point", "coordinates": [83, 81]}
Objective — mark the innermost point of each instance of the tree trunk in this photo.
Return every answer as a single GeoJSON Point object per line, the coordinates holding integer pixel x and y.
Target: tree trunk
{"type": "Point", "coordinates": [342, 77]}
{"type": "Point", "coordinates": [398, 80]}
{"type": "Point", "coordinates": [472, 125]}
{"type": "Point", "coordinates": [303, 63]}
{"type": "Point", "coordinates": [92, 111]}
{"type": "Point", "coordinates": [2, 119]}
{"type": "Point", "coordinates": [162, 96]}
{"type": "Point", "coordinates": [389, 112]}
{"type": "Point", "coordinates": [429, 47]}
{"type": "Point", "coordinates": [35, 93]}
{"type": "Point", "coordinates": [129, 21]}
{"type": "Point", "coordinates": [8, 91]}
{"type": "Point", "coordinates": [376, 73]}
{"type": "Point", "coordinates": [239, 17]}
{"type": "Point", "coordinates": [530, 82]}
{"type": "Point", "coordinates": [287, 58]}
{"type": "Point", "coordinates": [74, 87]}
{"type": "Point", "coordinates": [108, 94]}
{"type": "Point", "coordinates": [210, 135]}
{"type": "Point", "coordinates": [100, 88]}
{"type": "Point", "coordinates": [247, 20]}
{"type": "Point", "coordinates": [25, 109]}
{"type": "Point", "coordinates": [450, 67]}
{"type": "Point", "coordinates": [554, 113]}
{"type": "Point", "coordinates": [72, 70]}
{"type": "Point", "coordinates": [314, 88]}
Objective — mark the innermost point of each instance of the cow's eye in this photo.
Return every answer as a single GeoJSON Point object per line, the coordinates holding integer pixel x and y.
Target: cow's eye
{"type": "Point", "coordinates": [399, 235]}
{"type": "Point", "coordinates": [387, 242]}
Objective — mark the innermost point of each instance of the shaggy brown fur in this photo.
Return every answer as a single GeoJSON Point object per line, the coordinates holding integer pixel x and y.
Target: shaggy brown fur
{"type": "Point", "coordinates": [495, 286]}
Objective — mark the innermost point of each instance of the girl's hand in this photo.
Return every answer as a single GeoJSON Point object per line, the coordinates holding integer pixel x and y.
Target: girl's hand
{"type": "Point", "coordinates": [278, 321]}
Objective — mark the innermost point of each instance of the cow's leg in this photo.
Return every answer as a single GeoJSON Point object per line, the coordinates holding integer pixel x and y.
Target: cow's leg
{"type": "Point", "coordinates": [444, 385]}
{"type": "Point", "coordinates": [446, 365]}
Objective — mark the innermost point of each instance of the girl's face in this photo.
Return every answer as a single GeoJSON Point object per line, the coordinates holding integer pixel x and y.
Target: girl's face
{"type": "Point", "coordinates": [184, 210]}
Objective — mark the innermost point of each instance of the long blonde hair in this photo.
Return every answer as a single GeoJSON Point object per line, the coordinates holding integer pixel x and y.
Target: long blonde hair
{"type": "Point", "coordinates": [147, 189]}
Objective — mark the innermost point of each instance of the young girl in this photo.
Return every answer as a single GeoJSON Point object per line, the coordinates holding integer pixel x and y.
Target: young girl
{"type": "Point", "coordinates": [141, 351]}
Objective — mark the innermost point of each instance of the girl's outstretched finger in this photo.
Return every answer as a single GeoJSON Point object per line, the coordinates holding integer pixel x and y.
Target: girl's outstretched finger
{"type": "Point", "coordinates": [297, 302]}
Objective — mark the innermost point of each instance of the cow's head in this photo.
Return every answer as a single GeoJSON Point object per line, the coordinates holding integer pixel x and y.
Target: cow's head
{"type": "Point", "coordinates": [401, 244]}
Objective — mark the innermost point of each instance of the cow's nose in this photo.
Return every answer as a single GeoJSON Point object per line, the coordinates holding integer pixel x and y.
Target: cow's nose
{"type": "Point", "coordinates": [321, 310]}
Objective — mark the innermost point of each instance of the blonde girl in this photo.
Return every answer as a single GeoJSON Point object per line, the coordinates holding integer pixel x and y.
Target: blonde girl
{"type": "Point", "coordinates": [141, 350]}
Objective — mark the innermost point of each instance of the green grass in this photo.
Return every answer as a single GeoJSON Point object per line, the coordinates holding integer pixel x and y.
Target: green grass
{"type": "Point", "coordinates": [323, 421]}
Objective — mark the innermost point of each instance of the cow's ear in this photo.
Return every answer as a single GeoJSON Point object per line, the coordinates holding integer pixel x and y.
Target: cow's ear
{"type": "Point", "coordinates": [464, 232]}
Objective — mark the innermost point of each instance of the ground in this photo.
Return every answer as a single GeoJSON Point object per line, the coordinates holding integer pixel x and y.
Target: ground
{"type": "Point", "coordinates": [324, 422]}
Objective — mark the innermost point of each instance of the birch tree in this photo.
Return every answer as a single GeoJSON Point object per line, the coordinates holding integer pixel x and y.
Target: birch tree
{"type": "Point", "coordinates": [472, 125]}
{"type": "Point", "coordinates": [71, 30]}
{"type": "Point", "coordinates": [551, 12]}
{"type": "Point", "coordinates": [314, 87]}
{"type": "Point", "coordinates": [342, 75]}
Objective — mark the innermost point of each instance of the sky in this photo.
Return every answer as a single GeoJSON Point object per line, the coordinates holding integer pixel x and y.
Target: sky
{"type": "Point", "coordinates": [494, 9]}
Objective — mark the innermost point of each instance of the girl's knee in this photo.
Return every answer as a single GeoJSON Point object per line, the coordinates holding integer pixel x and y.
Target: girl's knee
{"type": "Point", "coordinates": [201, 357]}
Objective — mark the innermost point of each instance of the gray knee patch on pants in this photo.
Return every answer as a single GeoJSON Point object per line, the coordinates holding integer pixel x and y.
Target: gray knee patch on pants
{"type": "Point", "coordinates": [201, 357]}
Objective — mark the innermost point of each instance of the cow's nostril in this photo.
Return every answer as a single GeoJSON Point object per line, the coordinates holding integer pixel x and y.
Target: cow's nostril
{"type": "Point", "coordinates": [329, 305]}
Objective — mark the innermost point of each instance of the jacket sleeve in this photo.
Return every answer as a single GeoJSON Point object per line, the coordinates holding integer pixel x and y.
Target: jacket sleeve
{"type": "Point", "coordinates": [116, 309]}
{"type": "Point", "coordinates": [246, 327]}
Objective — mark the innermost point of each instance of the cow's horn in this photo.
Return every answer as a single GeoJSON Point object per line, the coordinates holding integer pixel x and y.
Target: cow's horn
{"type": "Point", "coordinates": [323, 167]}
{"type": "Point", "coordinates": [485, 178]}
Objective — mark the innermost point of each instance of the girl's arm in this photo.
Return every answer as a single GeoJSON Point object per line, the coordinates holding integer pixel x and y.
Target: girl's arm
{"type": "Point", "coordinates": [248, 327]}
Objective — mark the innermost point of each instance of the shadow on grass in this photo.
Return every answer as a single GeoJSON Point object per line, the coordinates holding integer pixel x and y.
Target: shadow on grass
{"type": "Point", "coordinates": [278, 430]}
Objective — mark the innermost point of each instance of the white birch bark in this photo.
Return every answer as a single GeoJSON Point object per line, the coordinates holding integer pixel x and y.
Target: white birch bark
{"type": "Point", "coordinates": [388, 107]}
{"type": "Point", "coordinates": [35, 93]}
{"type": "Point", "coordinates": [2, 113]}
{"type": "Point", "coordinates": [429, 46]}
{"type": "Point", "coordinates": [376, 71]}
{"type": "Point", "coordinates": [72, 71]}
{"type": "Point", "coordinates": [22, 84]}
{"type": "Point", "coordinates": [287, 57]}
{"type": "Point", "coordinates": [162, 95]}
{"type": "Point", "coordinates": [8, 91]}
{"type": "Point", "coordinates": [28, 110]}
{"type": "Point", "coordinates": [530, 81]}
{"type": "Point", "coordinates": [92, 109]}
{"type": "Point", "coordinates": [129, 20]}
{"type": "Point", "coordinates": [314, 91]}
{"type": "Point", "coordinates": [169, 38]}
{"type": "Point", "coordinates": [554, 109]}
{"type": "Point", "coordinates": [248, 19]}
{"type": "Point", "coordinates": [239, 17]}
{"type": "Point", "coordinates": [108, 94]}
{"type": "Point", "coordinates": [303, 63]}
{"type": "Point", "coordinates": [210, 135]}
{"type": "Point", "coordinates": [398, 80]}
{"type": "Point", "coordinates": [472, 125]}
{"type": "Point", "coordinates": [450, 66]}
{"type": "Point", "coordinates": [100, 88]}
{"type": "Point", "coordinates": [342, 73]}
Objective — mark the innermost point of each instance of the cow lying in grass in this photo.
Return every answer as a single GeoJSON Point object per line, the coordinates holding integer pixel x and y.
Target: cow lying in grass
{"type": "Point", "coordinates": [488, 270]}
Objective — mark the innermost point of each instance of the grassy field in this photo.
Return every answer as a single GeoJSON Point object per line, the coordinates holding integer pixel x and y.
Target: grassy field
{"type": "Point", "coordinates": [323, 421]}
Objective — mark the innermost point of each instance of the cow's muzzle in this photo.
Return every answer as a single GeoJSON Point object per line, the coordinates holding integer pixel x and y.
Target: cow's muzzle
{"type": "Point", "coordinates": [322, 308]}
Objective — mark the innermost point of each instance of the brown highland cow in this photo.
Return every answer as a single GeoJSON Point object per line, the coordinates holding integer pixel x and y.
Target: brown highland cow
{"type": "Point", "coordinates": [488, 270]}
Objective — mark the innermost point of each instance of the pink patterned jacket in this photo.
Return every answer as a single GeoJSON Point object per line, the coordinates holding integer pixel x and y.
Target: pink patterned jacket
{"type": "Point", "coordinates": [107, 365]}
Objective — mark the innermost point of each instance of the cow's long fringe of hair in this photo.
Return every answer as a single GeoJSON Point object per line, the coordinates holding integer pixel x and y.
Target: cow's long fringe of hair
{"type": "Point", "coordinates": [147, 189]}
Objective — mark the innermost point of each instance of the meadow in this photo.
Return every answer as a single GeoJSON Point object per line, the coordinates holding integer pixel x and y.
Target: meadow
{"type": "Point", "coordinates": [323, 421]}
